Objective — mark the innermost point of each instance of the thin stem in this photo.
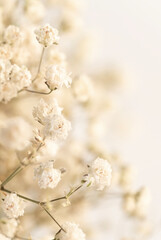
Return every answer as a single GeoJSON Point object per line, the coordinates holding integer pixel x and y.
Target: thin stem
{"type": "Point", "coordinates": [57, 199]}
{"type": "Point", "coordinates": [21, 196]}
{"type": "Point", "coordinates": [37, 92]}
{"type": "Point", "coordinates": [52, 217]}
{"type": "Point", "coordinates": [13, 174]}
{"type": "Point", "coordinates": [40, 63]}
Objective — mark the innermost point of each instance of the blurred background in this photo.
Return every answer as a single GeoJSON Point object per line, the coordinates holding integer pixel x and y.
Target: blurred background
{"type": "Point", "coordinates": [129, 37]}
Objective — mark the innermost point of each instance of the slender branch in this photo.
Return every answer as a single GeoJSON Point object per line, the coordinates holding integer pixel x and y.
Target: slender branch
{"type": "Point", "coordinates": [37, 92]}
{"type": "Point", "coordinates": [52, 217]}
{"type": "Point", "coordinates": [21, 196]}
{"type": "Point", "coordinates": [13, 174]}
{"type": "Point", "coordinates": [40, 63]}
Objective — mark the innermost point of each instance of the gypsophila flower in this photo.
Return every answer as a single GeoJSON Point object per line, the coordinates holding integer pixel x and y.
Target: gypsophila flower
{"type": "Point", "coordinates": [47, 176]}
{"type": "Point", "coordinates": [6, 52]}
{"type": "Point", "coordinates": [12, 34]}
{"type": "Point", "coordinates": [44, 110]}
{"type": "Point", "coordinates": [47, 35]}
{"type": "Point", "coordinates": [15, 133]}
{"type": "Point", "coordinates": [73, 232]}
{"type": "Point", "coordinates": [3, 237]}
{"type": "Point", "coordinates": [20, 76]}
{"type": "Point", "coordinates": [102, 172]}
{"type": "Point", "coordinates": [13, 206]}
{"type": "Point", "coordinates": [13, 79]}
{"type": "Point", "coordinates": [57, 128]}
{"type": "Point", "coordinates": [8, 226]}
{"type": "Point", "coordinates": [56, 77]}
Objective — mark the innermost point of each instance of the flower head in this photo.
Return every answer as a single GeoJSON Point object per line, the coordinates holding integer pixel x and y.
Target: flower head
{"type": "Point", "coordinates": [47, 35]}
{"type": "Point", "coordinates": [44, 110]}
{"type": "Point", "coordinates": [73, 232]}
{"type": "Point", "coordinates": [56, 76]}
{"type": "Point", "coordinates": [12, 34]}
{"type": "Point", "coordinates": [101, 172]}
{"type": "Point", "coordinates": [57, 127]}
{"type": "Point", "coordinates": [47, 176]}
{"type": "Point", "coordinates": [13, 206]}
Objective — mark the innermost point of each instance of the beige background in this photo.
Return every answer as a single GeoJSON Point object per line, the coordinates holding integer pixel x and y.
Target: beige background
{"type": "Point", "coordinates": [130, 38]}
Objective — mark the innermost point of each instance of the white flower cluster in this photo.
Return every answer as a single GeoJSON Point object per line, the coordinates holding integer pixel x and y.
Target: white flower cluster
{"type": "Point", "coordinates": [47, 35]}
{"type": "Point", "coordinates": [101, 174]}
{"type": "Point", "coordinates": [13, 206]}
{"type": "Point", "coordinates": [56, 127]}
{"type": "Point", "coordinates": [15, 133]}
{"type": "Point", "coordinates": [12, 35]}
{"type": "Point", "coordinates": [73, 232]}
{"type": "Point", "coordinates": [47, 175]}
{"type": "Point", "coordinates": [8, 226]}
{"type": "Point", "coordinates": [13, 79]}
{"type": "Point", "coordinates": [56, 77]}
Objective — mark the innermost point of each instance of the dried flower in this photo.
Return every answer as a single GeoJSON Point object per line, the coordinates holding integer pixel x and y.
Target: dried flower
{"type": "Point", "coordinates": [57, 128]}
{"type": "Point", "coordinates": [13, 206]}
{"type": "Point", "coordinates": [73, 232]}
{"type": "Point", "coordinates": [47, 35]}
{"type": "Point", "coordinates": [44, 110]}
{"type": "Point", "coordinates": [56, 76]}
{"type": "Point", "coordinates": [20, 76]}
{"type": "Point", "coordinates": [47, 176]}
{"type": "Point", "coordinates": [102, 173]}
{"type": "Point", "coordinates": [12, 34]}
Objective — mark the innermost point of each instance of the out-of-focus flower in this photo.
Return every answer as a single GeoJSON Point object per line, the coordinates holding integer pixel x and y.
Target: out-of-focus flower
{"type": "Point", "coordinates": [12, 35]}
{"type": "Point", "coordinates": [47, 35]}
{"type": "Point", "coordinates": [56, 76]}
{"type": "Point", "coordinates": [13, 206]}
{"type": "Point", "coordinates": [47, 176]}
{"type": "Point", "coordinates": [2, 237]}
{"type": "Point", "coordinates": [73, 232]}
{"type": "Point", "coordinates": [83, 88]}
{"type": "Point", "coordinates": [15, 133]}
{"type": "Point", "coordinates": [35, 10]}
{"type": "Point", "coordinates": [8, 226]}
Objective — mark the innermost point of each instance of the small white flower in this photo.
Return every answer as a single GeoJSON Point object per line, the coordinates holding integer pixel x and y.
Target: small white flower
{"type": "Point", "coordinates": [102, 173]}
{"type": "Point", "coordinates": [47, 176]}
{"type": "Point", "coordinates": [8, 226]}
{"type": "Point", "coordinates": [12, 34]}
{"type": "Point", "coordinates": [56, 77]}
{"type": "Point", "coordinates": [57, 128]}
{"type": "Point", "coordinates": [73, 232]}
{"type": "Point", "coordinates": [44, 110]}
{"type": "Point", "coordinates": [20, 76]}
{"type": "Point", "coordinates": [47, 35]}
{"type": "Point", "coordinates": [13, 206]}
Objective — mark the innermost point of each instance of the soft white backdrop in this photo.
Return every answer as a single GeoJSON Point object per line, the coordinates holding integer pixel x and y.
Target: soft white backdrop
{"type": "Point", "coordinates": [130, 37]}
